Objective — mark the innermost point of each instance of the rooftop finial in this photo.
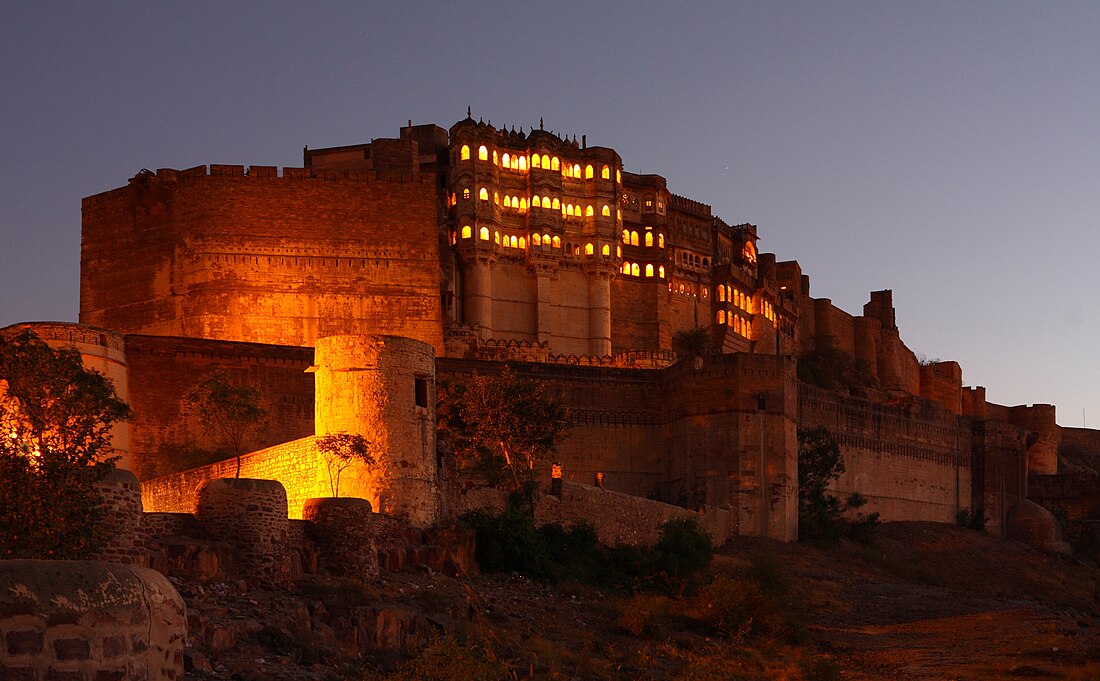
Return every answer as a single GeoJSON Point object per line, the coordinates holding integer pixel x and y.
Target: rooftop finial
{"type": "Point", "coordinates": [540, 123]}
{"type": "Point", "coordinates": [469, 112]}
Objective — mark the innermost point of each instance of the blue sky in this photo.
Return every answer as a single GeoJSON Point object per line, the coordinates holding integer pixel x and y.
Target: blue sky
{"type": "Point", "coordinates": [948, 151]}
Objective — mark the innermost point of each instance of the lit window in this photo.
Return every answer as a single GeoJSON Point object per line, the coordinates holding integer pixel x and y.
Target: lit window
{"type": "Point", "coordinates": [536, 239]}
{"type": "Point", "coordinates": [649, 270]}
{"type": "Point", "coordinates": [496, 198]}
{"type": "Point", "coordinates": [626, 236]}
{"type": "Point", "coordinates": [496, 161]}
{"type": "Point", "coordinates": [553, 163]}
{"type": "Point", "coordinates": [523, 205]}
{"type": "Point", "coordinates": [515, 163]}
{"type": "Point", "coordinates": [454, 199]}
{"type": "Point", "coordinates": [588, 172]}
{"type": "Point", "coordinates": [536, 161]}
{"type": "Point", "coordinates": [536, 202]}
{"type": "Point", "coordinates": [605, 173]}
{"type": "Point", "coordinates": [577, 249]}
{"type": "Point", "coordinates": [496, 237]}
{"type": "Point", "coordinates": [546, 162]}
{"type": "Point", "coordinates": [661, 271]}
{"type": "Point", "coordinates": [634, 269]}
{"type": "Point", "coordinates": [483, 194]}
{"type": "Point", "coordinates": [507, 201]}
{"type": "Point", "coordinates": [721, 316]}
{"type": "Point", "coordinates": [605, 211]}
{"type": "Point", "coordinates": [619, 214]}
{"type": "Point", "coordinates": [484, 233]}
{"type": "Point", "coordinates": [606, 250]}
{"type": "Point", "coordinates": [577, 170]}
{"type": "Point", "coordinates": [465, 153]}
{"type": "Point", "coordinates": [618, 251]}
{"type": "Point", "coordinates": [589, 212]}
{"type": "Point", "coordinates": [557, 204]}
{"type": "Point", "coordinates": [625, 269]}
{"type": "Point", "coordinates": [546, 202]}
{"type": "Point", "coordinates": [466, 231]}
{"type": "Point", "coordinates": [660, 241]}
{"type": "Point", "coordinates": [705, 292]}
{"type": "Point", "coordinates": [522, 242]}
{"type": "Point", "coordinates": [545, 239]}
{"type": "Point", "coordinates": [618, 176]}
{"type": "Point", "coordinates": [504, 159]}
{"type": "Point", "coordinates": [483, 153]}
{"type": "Point", "coordinates": [721, 294]}
{"type": "Point", "coordinates": [523, 163]}
{"type": "Point", "coordinates": [515, 242]}
{"type": "Point", "coordinates": [681, 288]}
{"type": "Point", "coordinates": [454, 238]}
{"type": "Point", "coordinates": [589, 249]}
{"type": "Point", "coordinates": [633, 238]}
{"type": "Point", "coordinates": [557, 241]}
{"type": "Point", "coordinates": [466, 193]}
{"type": "Point", "coordinates": [649, 239]}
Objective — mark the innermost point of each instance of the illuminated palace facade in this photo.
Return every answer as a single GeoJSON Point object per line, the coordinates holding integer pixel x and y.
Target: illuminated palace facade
{"type": "Point", "coordinates": [487, 245]}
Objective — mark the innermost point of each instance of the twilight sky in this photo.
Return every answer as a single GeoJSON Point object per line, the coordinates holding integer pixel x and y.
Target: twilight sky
{"type": "Point", "coordinates": [948, 151]}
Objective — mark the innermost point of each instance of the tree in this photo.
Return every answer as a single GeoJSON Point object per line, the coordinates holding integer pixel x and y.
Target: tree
{"type": "Point", "coordinates": [691, 343]}
{"type": "Point", "coordinates": [55, 435]}
{"type": "Point", "coordinates": [820, 514]}
{"type": "Point", "coordinates": [501, 425]}
{"type": "Point", "coordinates": [231, 413]}
{"type": "Point", "coordinates": [340, 451]}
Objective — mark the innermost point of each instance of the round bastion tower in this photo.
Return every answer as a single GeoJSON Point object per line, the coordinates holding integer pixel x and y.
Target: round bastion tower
{"type": "Point", "coordinates": [383, 388]}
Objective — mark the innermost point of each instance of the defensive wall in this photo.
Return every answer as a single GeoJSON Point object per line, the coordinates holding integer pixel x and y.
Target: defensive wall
{"type": "Point", "coordinates": [238, 254]}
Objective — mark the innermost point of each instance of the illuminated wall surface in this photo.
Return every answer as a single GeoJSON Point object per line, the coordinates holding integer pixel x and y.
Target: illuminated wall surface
{"type": "Point", "coordinates": [378, 266]}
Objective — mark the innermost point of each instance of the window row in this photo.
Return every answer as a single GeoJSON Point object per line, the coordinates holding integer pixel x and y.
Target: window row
{"type": "Point", "coordinates": [688, 259]}
{"type": "Point", "coordinates": [740, 326]}
{"type": "Point", "coordinates": [736, 297]}
{"type": "Point", "coordinates": [686, 289]}
{"type": "Point", "coordinates": [630, 238]}
{"type": "Point", "coordinates": [636, 270]}
{"type": "Point", "coordinates": [545, 161]}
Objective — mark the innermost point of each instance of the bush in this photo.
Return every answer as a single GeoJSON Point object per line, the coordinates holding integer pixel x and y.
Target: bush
{"type": "Point", "coordinates": [445, 659]}
{"type": "Point", "coordinates": [646, 616]}
{"type": "Point", "coordinates": [684, 549]}
{"type": "Point", "coordinates": [736, 608]}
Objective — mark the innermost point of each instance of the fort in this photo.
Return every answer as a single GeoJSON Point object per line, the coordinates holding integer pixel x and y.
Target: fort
{"type": "Point", "coordinates": [345, 289]}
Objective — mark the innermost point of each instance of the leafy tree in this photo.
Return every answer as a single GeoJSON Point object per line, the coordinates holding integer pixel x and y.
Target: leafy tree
{"type": "Point", "coordinates": [231, 413]}
{"type": "Point", "coordinates": [820, 514]}
{"type": "Point", "coordinates": [340, 451]}
{"type": "Point", "coordinates": [691, 343]}
{"type": "Point", "coordinates": [501, 425]}
{"type": "Point", "coordinates": [55, 433]}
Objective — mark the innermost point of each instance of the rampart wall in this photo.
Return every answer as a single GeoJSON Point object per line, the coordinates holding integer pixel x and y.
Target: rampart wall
{"type": "Point", "coordinates": [226, 254]}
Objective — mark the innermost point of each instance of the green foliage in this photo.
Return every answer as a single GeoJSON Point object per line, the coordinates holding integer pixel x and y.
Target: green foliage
{"type": "Point", "coordinates": [827, 366]}
{"type": "Point", "coordinates": [340, 451]}
{"type": "Point", "coordinates": [55, 421]}
{"type": "Point", "coordinates": [231, 413]}
{"type": "Point", "coordinates": [820, 514]}
{"type": "Point", "coordinates": [500, 426]}
{"type": "Point", "coordinates": [691, 343]}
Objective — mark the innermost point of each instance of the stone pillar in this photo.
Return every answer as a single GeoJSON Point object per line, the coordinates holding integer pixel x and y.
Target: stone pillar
{"type": "Point", "coordinates": [123, 520]}
{"type": "Point", "coordinates": [383, 388]}
{"type": "Point", "coordinates": [544, 281]}
{"type": "Point", "coordinates": [345, 534]}
{"type": "Point", "coordinates": [478, 289]}
{"type": "Point", "coordinates": [251, 516]}
{"type": "Point", "coordinates": [599, 312]}
{"type": "Point", "coordinates": [74, 619]}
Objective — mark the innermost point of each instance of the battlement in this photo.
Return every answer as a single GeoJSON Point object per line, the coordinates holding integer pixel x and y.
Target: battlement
{"type": "Point", "coordinates": [688, 205]}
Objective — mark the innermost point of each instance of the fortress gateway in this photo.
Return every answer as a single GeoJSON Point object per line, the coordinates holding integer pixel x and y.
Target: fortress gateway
{"type": "Point", "coordinates": [343, 288]}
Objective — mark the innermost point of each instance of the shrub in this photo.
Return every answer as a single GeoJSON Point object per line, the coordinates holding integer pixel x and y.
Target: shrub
{"type": "Point", "coordinates": [445, 659]}
{"type": "Point", "coordinates": [646, 615]}
{"type": "Point", "coordinates": [736, 608]}
{"type": "Point", "coordinates": [684, 549]}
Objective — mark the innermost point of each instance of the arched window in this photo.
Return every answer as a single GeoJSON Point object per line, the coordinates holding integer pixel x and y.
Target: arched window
{"type": "Point", "coordinates": [567, 171]}
{"type": "Point", "coordinates": [605, 211]}
{"type": "Point", "coordinates": [660, 240]}
{"type": "Point", "coordinates": [568, 209]}
{"type": "Point", "coordinates": [634, 269]}
{"type": "Point", "coordinates": [618, 176]}
{"type": "Point", "coordinates": [661, 271]}
{"type": "Point", "coordinates": [523, 205]}
{"type": "Point", "coordinates": [557, 204]}
{"type": "Point", "coordinates": [466, 193]}
{"type": "Point", "coordinates": [507, 201]}
{"type": "Point", "coordinates": [618, 251]}
{"type": "Point", "coordinates": [589, 249]}
{"type": "Point", "coordinates": [557, 240]}
{"type": "Point", "coordinates": [546, 202]}
{"type": "Point", "coordinates": [588, 172]}
{"type": "Point", "coordinates": [536, 239]}
{"type": "Point", "coordinates": [522, 242]}
{"type": "Point", "coordinates": [466, 231]}
{"type": "Point", "coordinates": [523, 163]}
{"type": "Point", "coordinates": [483, 194]}
{"type": "Point", "coordinates": [546, 162]}
{"type": "Point", "coordinates": [721, 316]}
{"type": "Point", "coordinates": [577, 170]}
{"type": "Point", "coordinates": [496, 161]}
{"type": "Point", "coordinates": [465, 153]}
{"type": "Point", "coordinates": [681, 288]}
{"type": "Point", "coordinates": [649, 270]}
{"type": "Point", "coordinates": [483, 233]}
{"type": "Point", "coordinates": [649, 239]}
{"type": "Point", "coordinates": [553, 163]}
{"type": "Point", "coordinates": [483, 153]}
{"type": "Point", "coordinates": [606, 250]}
{"type": "Point", "coordinates": [536, 202]}
{"type": "Point", "coordinates": [496, 237]}
{"type": "Point", "coordinates": [619, 214]}
{"type": "Point", "coordinates": [496, 198]}
{"type": "Point", "coordinates": [605, 173]}
{"type": "Point", "coordinates": [626, 236]}
{"type": "Point", "coordinates": [536, 161]}
{"type": "Point", "coordinates": [515, 163]}
{"type": "Point", "coordinates": [589, 212]}
{"type": "Point", "coordinates": [633, 238]}
{"type": "Point", "coordinates": [721, 294]}
{"type": "Point", "coordinates": [454, 238]}
{"type": "Point", "coordinates": [545, 239]}
{"type": "Point", "coordinates": [576, 249]}
{"type": "Point", "coordinates": [515, 242]}
{"type": "Point", "coordinates": [504, 159]}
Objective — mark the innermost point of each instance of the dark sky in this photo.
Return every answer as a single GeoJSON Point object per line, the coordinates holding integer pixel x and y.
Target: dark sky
{"type": "Point", "coordinates": [948, 151]}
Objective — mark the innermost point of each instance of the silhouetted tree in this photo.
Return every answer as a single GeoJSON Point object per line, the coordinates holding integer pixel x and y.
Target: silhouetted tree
{"type": "Point", "coordinates": [231, 413]}
{"type": "Point", "coordinates": [55, 445]}
{"type": "Point", "coordinates": [821, 514]}
{"type": "Point", "coordinates": [340, 451]}
{"type": "Point", "coordinates": [691, 343]}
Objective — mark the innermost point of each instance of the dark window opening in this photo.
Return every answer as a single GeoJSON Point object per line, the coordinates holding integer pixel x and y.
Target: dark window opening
{"type": "Point", "coordinates": [422, 392]}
